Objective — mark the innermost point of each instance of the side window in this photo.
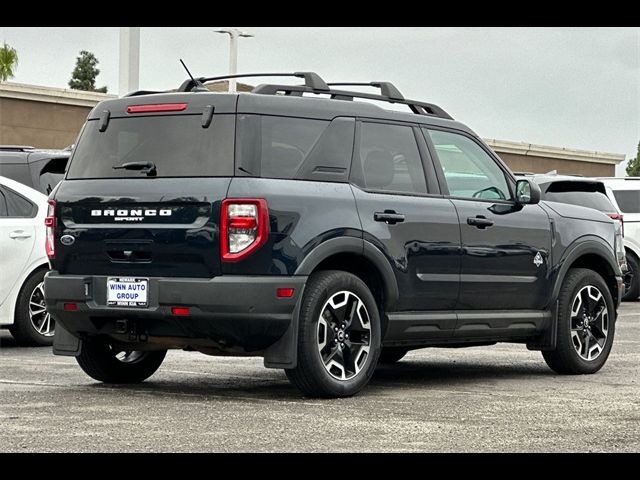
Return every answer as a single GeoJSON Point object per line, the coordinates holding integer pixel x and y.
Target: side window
{"type": "Point", "coordinates": [16, 205]}
{"type": "Point", "coordinates": [628, 200]}
{"type": "Point", "coordinates": [3, 205]}
{"type": "Point", "coordinates": [468, 170]}
{"type": "Point", "coordinates": [52, 174]}
{"type": "Point", "coordinates": [389, 159]}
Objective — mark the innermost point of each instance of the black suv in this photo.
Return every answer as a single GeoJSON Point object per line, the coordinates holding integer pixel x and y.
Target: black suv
{"type": "Point", "coordinates": [39, 169]}
{"type": "Point", "coordinates": [320, 232]}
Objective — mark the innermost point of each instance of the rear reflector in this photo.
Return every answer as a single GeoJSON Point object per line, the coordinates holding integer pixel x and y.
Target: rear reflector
{"type": "Point", "coordinates": [284, 292]}
{"type": "Point", "coordinates": [180, 311]}
{"type": "Point", "coordinates": [158, 107]}
{"type": "Point", "coordinates": [70, 307]}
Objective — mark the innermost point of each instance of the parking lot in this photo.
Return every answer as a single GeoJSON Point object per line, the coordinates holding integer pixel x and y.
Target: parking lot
{"type": "Point", "coordinates": [500, 398]}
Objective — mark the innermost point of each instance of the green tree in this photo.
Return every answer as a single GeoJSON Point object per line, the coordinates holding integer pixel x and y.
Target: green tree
{"type": "Point", "coordinates": [8, 62]}
{"type": "Point", "coordinates": [633, 167]}
{"type": "Point", "coordinates": [84, 75]}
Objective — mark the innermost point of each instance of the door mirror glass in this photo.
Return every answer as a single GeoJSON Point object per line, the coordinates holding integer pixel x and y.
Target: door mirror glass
{"type": "Point", "coordinates": [527, 192]}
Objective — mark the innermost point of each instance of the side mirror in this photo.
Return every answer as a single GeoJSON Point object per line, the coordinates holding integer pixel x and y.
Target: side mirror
{"type": "Point", "coordinates": [527, 192]}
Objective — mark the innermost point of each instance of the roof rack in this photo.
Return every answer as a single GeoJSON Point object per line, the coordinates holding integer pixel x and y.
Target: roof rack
{"type": "Point", "coordinates": [15, 148]}
{"type": "Point", "coordinates": [387, 89]}
{"type": "Point", "coordinates": [311, 80]}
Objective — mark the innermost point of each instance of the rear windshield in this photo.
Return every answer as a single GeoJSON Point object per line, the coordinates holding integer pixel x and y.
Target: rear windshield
{"type": "Point", "coordinates": [628, 200]}
{"type": "Point", "coordinates": [583, 194]}
{"type": "Point", "coordinates": [177, 145]}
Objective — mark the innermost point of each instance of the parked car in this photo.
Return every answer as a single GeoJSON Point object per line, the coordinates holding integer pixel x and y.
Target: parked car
{"type": "Point", "coordinates": [23, 263]}
{"type": "Point", "coordinates": [323, 233]}
{"type": "Point", "coordinates": [586, 192]}
{"type": "Point", "coordinates": [37, 168]}
{"type": "Point", "coordinates": [624, 193]}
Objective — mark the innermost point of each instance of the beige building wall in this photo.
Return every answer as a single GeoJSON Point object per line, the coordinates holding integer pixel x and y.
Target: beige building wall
{"type": "Point", "coordinates": [39, 124]}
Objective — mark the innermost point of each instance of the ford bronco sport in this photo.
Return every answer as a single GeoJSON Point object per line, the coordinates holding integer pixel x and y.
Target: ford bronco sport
{"type": "Point", "coordinates": [319, 231]}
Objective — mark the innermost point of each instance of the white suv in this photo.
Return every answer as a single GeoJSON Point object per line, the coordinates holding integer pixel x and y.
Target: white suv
{"type": "Point", "coordinates": [624, 193]}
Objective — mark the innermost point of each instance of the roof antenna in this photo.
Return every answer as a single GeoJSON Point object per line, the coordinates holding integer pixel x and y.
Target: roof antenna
{"type": "Point", "coordinates": [199, 87]}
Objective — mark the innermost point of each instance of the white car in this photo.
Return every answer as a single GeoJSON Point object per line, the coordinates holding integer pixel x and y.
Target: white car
{"type": "Point", "coordinates": [624, 193]}
{"type": "Point", "coordinates": [23, 264]}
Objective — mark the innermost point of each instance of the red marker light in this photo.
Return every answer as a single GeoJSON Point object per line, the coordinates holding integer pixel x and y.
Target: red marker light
{"type": "Point", "coordinates": [158, 107]}
{"type": "Point", "coordinates": [284, 292]}
{"type": "Point", "coordinates": [180, 311]}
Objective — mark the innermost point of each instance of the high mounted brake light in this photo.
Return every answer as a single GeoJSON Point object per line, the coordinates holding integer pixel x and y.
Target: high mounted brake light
{"type": "Point", "coordinates": [244, 227]}
{"type": "Point", "coordinates": [158, 107]}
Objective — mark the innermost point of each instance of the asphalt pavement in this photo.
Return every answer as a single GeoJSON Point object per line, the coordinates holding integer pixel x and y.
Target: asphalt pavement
{"type": "Point", "coordinates": [500, 398]}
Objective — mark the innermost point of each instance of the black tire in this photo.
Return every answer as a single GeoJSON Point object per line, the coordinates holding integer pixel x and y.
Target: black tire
{"type": "Point", "coordinates": [631, 280]}
{"type": "Point", "coordinates": [310, 375]}
{"type": "Point", "coordinates": [99, 361]}
{"type": "Point", "coordinates": [565, 358]}
{"type": "Point", "coordinates": [392, 355]}
{"type": "Point", "coordinates": [23, 329]}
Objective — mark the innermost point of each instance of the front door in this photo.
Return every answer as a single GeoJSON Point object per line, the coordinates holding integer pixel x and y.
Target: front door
{"type": "Point", "coordinates": [505, 246]}
{"type": "Point", "coordinates": [418, 232]}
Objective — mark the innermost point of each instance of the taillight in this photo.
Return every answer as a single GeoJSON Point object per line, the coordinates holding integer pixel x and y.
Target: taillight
{"type": "Point", "coordinates": [50, 223]}
{"type": "Point", "coordinates": [244, 227]}
{"type": "Point", "coordinates": [618, 216]}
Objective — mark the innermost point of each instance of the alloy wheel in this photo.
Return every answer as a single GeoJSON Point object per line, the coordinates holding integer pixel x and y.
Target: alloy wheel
{"type": "Point", "coordinates": [41, 320]}
{"type": "Point", "coordinates": [344, 335]}
{"type": "Point", "coordinates": [589, 322]}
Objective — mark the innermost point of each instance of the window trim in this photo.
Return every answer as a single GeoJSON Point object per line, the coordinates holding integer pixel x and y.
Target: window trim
{"type": "Point", "coordinates": [509, 178]}
{"type": "Point", "coordinates": [34, 207]}
{"type": "Point", "coordinates": [421, 153]}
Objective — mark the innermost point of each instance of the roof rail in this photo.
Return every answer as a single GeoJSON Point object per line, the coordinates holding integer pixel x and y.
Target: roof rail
{"type": "Point", "coordinates": [15, 148]}
{"type": "Point", "coordinates": [420, 108]}
{"type": "Point", "coordinates": [387, 89]}
{"type": "Point", "coordinates": [311, 80]}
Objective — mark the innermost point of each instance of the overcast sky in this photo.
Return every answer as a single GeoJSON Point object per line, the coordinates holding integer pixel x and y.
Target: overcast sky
{"type": "Point", "coordinates": [569, 87]}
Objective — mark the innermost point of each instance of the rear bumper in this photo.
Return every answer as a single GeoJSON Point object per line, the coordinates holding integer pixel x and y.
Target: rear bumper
{"type": "Point", "coordinates": [231, 310]}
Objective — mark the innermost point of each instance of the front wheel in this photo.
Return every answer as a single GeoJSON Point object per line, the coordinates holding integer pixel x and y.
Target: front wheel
{"type": "Point", "coordinates": [586, 324]}
{"type": "Point", "coordinates": [631, 280]}
{"type": "Point", "coordinates": [339, 336]}
{"type": "Point", "coordinates": [107, 364]}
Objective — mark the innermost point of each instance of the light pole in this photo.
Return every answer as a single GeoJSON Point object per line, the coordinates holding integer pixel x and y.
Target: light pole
{"type": "Point", "coordinates": [233, 33]}
{"type": "Point", "coordinates": [129, 60]}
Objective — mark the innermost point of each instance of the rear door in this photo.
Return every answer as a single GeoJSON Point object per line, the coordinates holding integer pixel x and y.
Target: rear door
{"type": "Point", "coordinates": [506, 246]}
{"type": "Point", "coordinates": [404, 216]}
{"type": "Point", "coordinates": [17, 237]}
{"type": "Point", "coordinates": [146, 222]}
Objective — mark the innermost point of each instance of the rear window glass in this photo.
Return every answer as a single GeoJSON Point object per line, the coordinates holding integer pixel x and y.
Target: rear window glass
{"type": "Point", "coordinates": [585, 195]}
{"type": "Point", "coordinates": [295, 148]}
{"type": "Point", "coordinates": [177, 145]}
{"type": "Point", "coordinates": [628, 200]}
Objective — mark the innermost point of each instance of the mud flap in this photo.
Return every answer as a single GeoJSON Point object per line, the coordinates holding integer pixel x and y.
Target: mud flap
{"type": "Point", "coordinates": [284, 353]}
{"type": "Point", "coordinates": [65, 343]}
{"type": "Point", "coordinates": [549, 338]}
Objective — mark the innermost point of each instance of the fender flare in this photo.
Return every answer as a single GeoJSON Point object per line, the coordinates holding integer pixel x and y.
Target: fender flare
{"type": "Point", "coordinates": [584, 246]}
{"type": "Point", "coordinates": [357, 246]}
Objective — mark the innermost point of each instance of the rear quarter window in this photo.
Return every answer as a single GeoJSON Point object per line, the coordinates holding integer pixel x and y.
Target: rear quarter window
{"type": "Point", "coordinates": [628, 200]}
{"type": "Point", "coordinates": [294, 148]}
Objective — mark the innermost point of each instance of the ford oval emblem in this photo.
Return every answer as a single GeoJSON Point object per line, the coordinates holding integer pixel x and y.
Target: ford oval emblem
{"type": "Point", "coordinates": [67, 239]}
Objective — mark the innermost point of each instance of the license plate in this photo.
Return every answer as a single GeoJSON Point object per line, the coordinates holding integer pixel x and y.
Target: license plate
{"type": "Point", "coordinates": [127, 292]}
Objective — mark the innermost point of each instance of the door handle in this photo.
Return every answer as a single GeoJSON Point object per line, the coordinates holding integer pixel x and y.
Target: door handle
{"type": "Point", "coordinates": [19, 234]}
{"type": "Point", "coordinates": [390, 217]}
{"type": "Point", "coordinates": [480, 222]}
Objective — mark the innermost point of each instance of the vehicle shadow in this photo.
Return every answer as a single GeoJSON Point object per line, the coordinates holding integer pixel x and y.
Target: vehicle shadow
{"type": "Point", "coordinates": [273, 385]}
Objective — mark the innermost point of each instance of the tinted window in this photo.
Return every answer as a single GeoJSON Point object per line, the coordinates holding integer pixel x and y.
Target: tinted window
{"type": "Point", "coordinates": [17, 205]}
{"type": "Point", "coordinates": [51, 174]}
{"type": "Point", "coordinates": [176, 144]}
{"type": "Point", "coordinates": [3, 205]}
{"type": "Point", "coordinates": [579, 193]}
{"type": "Point", "coordinates": [628, 200]}
{"type": "Point", "coordinates": [298, 148]}
{"type": "Point", "coordinates": [469, 171]}
{"type": "Point", "coordinates": [389, 159]}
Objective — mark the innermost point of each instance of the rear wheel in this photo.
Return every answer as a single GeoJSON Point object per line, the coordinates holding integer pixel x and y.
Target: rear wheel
{"type": "Point", "coordinates": [107, 364]}
{"type": "Point", "coordinates": [339, 336]}
{"type": "Point", "coordinates": [33, 325]}
{"type": "Point", "coordinates": [392, 355]}
{"type": "Point", "coordinates": [586, 324]}
{"type": "Point", "coordinates": [631, 280]}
